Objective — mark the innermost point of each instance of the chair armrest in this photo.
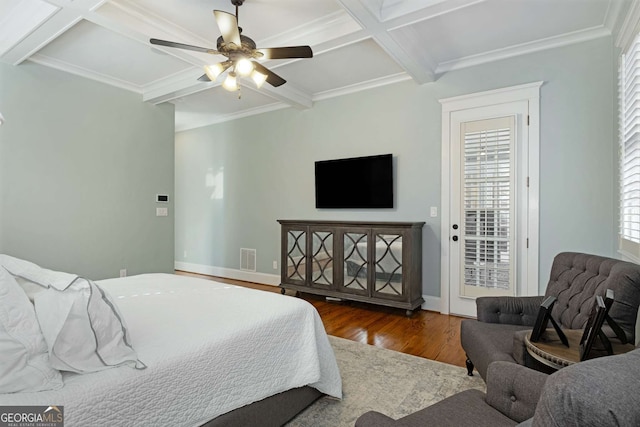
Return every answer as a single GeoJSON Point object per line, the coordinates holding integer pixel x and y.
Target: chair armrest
{"type": "Point", "coordinates": [509, 310]}
{"type": "Point", "coordinates": [513, 389]}
{"type": "Point", "coordinates": [375, 419]}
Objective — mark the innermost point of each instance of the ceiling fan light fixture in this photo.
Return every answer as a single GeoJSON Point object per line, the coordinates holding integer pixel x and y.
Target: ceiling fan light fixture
{"type": "Point", "coordinates": [258, 78]}
{"type": "Point", "coordinates": [230, 83]}
{"type": "Point", "coordinates": [244, 67]}
{"type": "Point", "coordinates": [240, 51]}
{"type": "Point", "coordinates": [213, 71]}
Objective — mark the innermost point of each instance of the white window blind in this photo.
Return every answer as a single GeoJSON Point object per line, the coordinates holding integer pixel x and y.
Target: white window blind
{"type": "Point", "coordinates": [629, 116]}
{"type": "Point", "coordinates": [488, 203]}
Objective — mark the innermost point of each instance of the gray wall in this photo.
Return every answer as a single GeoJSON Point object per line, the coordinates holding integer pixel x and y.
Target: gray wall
{"type": "Point", "coordinates": [80, 165]}
{"type": "Point", "coordinates": [267, 161]}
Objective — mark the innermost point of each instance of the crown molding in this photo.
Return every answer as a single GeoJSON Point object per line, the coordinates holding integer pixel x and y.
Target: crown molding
{"type": "Point", "coordinates": [22, 20]}
{"type": "Point", "coordinates": [630, 26]}
{"type": "Point", "coordinates": [213, 120]}
{"type": "Point", "coordinates": [524, 48]}
{"type": "Point", "coordinates": [177, 85]}
{"type": "Point", "coordinates": [41, 59]}
{"type": "Point", "coordinates": [614, 12]}
{"type": "Point", "coordinates": [318, 31]}
{"type": "Point", "coordinates": [147, 18]}
{"type": "Point", "coordinates": [370, 84]}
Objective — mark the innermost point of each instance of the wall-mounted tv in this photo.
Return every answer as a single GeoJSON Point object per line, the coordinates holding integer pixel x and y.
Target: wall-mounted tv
{"type": "Point", "coordinates": [359, 182]}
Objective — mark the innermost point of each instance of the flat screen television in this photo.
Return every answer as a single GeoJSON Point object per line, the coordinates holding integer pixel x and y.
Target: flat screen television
{"type": "Point", "coordinates": [359, 182]}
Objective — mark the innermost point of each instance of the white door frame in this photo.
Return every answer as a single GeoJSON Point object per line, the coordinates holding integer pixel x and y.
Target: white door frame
{"type": "Point", "coordinates": [527, 92]}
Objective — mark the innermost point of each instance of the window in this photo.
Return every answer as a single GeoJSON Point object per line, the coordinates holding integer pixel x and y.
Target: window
{"type": "Point", "coordinates": [629, 93]}
{"type": "Point", "coordinates": [488, 198]}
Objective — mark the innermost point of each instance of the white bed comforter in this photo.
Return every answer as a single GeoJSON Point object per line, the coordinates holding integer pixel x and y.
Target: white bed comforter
{"type": "Point", "coordinates": [209, 347]}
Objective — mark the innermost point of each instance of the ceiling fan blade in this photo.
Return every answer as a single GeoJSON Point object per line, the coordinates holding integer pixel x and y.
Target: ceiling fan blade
{"type": "Point", "coordinates": [272, 78]}
{"type": "Point", "coordinates": [286, 52]}
{"type": "Point", "coordinates": [228, 25]}
{"type": "Point", "coordinates": [183, 46]}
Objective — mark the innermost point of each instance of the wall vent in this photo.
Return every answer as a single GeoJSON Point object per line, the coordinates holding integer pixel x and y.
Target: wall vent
{"type": "Point", "coordinates": [247, 259]}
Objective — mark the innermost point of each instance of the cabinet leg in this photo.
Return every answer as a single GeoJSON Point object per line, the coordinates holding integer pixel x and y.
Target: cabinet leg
{"type": "Point", "coordinates": [283, 290]}
{"type": "Point", "coordinates": [409, 313]}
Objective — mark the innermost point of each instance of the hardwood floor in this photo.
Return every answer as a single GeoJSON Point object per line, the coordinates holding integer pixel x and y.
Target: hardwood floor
{"type": "Point", "coordinates": [426, 334]}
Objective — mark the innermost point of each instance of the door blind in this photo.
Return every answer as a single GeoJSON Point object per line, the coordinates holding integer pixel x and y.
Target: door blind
{"type": "Point", "coordinates": [629, 88]}
{"type": "Point", "coordinates": [488, 203]}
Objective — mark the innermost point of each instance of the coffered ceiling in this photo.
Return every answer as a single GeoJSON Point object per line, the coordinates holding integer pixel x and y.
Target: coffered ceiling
{"type": "Point", "coordinates": [357, 44]}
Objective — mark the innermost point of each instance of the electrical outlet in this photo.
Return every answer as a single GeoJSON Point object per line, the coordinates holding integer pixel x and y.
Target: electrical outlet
{"type": "Point", "coordinates": [275, 265]}
{"type": "Point", "coordinates": [434, 211]}
{"type": "Point", "coordinates": [185, 254]}
{"type": "Point", "coordinates": [162, 211]}
{"type": "Point", "coordinates": [123, 272]}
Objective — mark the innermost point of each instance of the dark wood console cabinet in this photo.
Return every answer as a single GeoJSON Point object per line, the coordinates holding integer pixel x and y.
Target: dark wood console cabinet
{"type": "Point", "coordinates": [373, 262]}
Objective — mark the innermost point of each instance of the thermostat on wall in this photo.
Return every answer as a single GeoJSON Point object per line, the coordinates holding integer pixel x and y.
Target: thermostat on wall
{"type": "Point", "coordinates": [162, 198]}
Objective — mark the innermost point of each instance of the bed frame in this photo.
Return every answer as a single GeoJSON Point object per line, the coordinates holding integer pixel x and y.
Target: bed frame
{"type": "Point", "coordinates": [274, 411]}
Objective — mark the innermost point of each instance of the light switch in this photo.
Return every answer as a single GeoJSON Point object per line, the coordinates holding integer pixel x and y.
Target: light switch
{"type": "Point", "coordinates": [434, 211]}
{"type": "Point", "coordinates": [162, 211]}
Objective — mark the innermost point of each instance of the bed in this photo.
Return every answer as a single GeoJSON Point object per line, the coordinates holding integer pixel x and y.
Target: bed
{"type": "Point", "coordinates": [215, 354]}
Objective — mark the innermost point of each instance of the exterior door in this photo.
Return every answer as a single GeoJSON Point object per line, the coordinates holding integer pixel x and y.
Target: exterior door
{"type": "Point", "coordinates": [489, 222]}
{"type": "Point", "coordinates": [483, 209]}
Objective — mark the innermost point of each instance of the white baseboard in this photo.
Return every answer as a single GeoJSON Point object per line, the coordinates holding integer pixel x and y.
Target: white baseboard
{"type": "Point", "coordinates": [229, 273]}
{"type": "Point", "coordinates": [431, 303]}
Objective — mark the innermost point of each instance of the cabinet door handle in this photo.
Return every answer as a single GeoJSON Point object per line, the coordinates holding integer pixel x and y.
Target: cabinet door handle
{"type": "Point", "coordinates": [455, 238]}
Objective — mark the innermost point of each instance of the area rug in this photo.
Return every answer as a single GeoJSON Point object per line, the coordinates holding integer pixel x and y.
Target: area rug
{"type": "Point", "coordinates": [386, 381]}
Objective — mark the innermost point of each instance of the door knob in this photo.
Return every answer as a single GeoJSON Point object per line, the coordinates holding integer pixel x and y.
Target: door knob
{"type": "Point", "coordinates": [455, 238]}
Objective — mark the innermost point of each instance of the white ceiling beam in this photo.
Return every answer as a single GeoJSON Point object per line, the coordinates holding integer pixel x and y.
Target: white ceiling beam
{"type": "Point", "coordinates": [57, 24]}
{"type": "Point", "coordinates": [21, 19]}
{"type": "Point", "coordinates": [287, 93]}
{"type": "Point", "coordinates": [413, 58]}
{"type": "Point", "coordinates": [176, 86]}
{"type": "Point", "coordinates": [337, 24]}
{"type": "Point", "coordinates": [68, 14]}
{"type": "Point", "coordinates": [429, 11]}
{"type": "Point", "coordinates": [173, 87]}
{"type": "Point", "coordinates": [184, 83]}
{"type": "Point", "coordinates": [378, 31]}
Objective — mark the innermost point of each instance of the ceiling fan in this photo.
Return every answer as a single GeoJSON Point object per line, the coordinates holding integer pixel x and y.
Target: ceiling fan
{"type": "Point", "coordinates": [241, 53]}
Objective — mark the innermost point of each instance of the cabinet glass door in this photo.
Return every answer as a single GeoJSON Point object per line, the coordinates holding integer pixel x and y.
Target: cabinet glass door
{"type": "Point", "coordinates": [356, 262]}
{"type": "Point", "coordinates": [388, 264]}
{"type": "Point", "coordinates": [322, 258]}
{"type": "Point", "coordinates": [296, 256]}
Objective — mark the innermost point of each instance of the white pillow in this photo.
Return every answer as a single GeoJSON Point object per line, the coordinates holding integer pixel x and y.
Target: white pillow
{"type": "Point", "coordinates": [83, 328]}
{"type": "Point", "coordinates": [24, 362]}
{"type": "Point", "coordinates": [80, 322]}
{"type": "Point", "coordinates": [33, 278]}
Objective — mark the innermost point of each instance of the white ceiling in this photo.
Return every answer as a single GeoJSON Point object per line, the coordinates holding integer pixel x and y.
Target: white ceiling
{"type": "Point", "coordinates": [357, 44]}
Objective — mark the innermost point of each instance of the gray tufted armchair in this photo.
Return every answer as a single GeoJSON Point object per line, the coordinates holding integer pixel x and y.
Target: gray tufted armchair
{"type": "Point", "coordinates": [502, 322]}
{"type": "Point", "coordinates": [600, 392]}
